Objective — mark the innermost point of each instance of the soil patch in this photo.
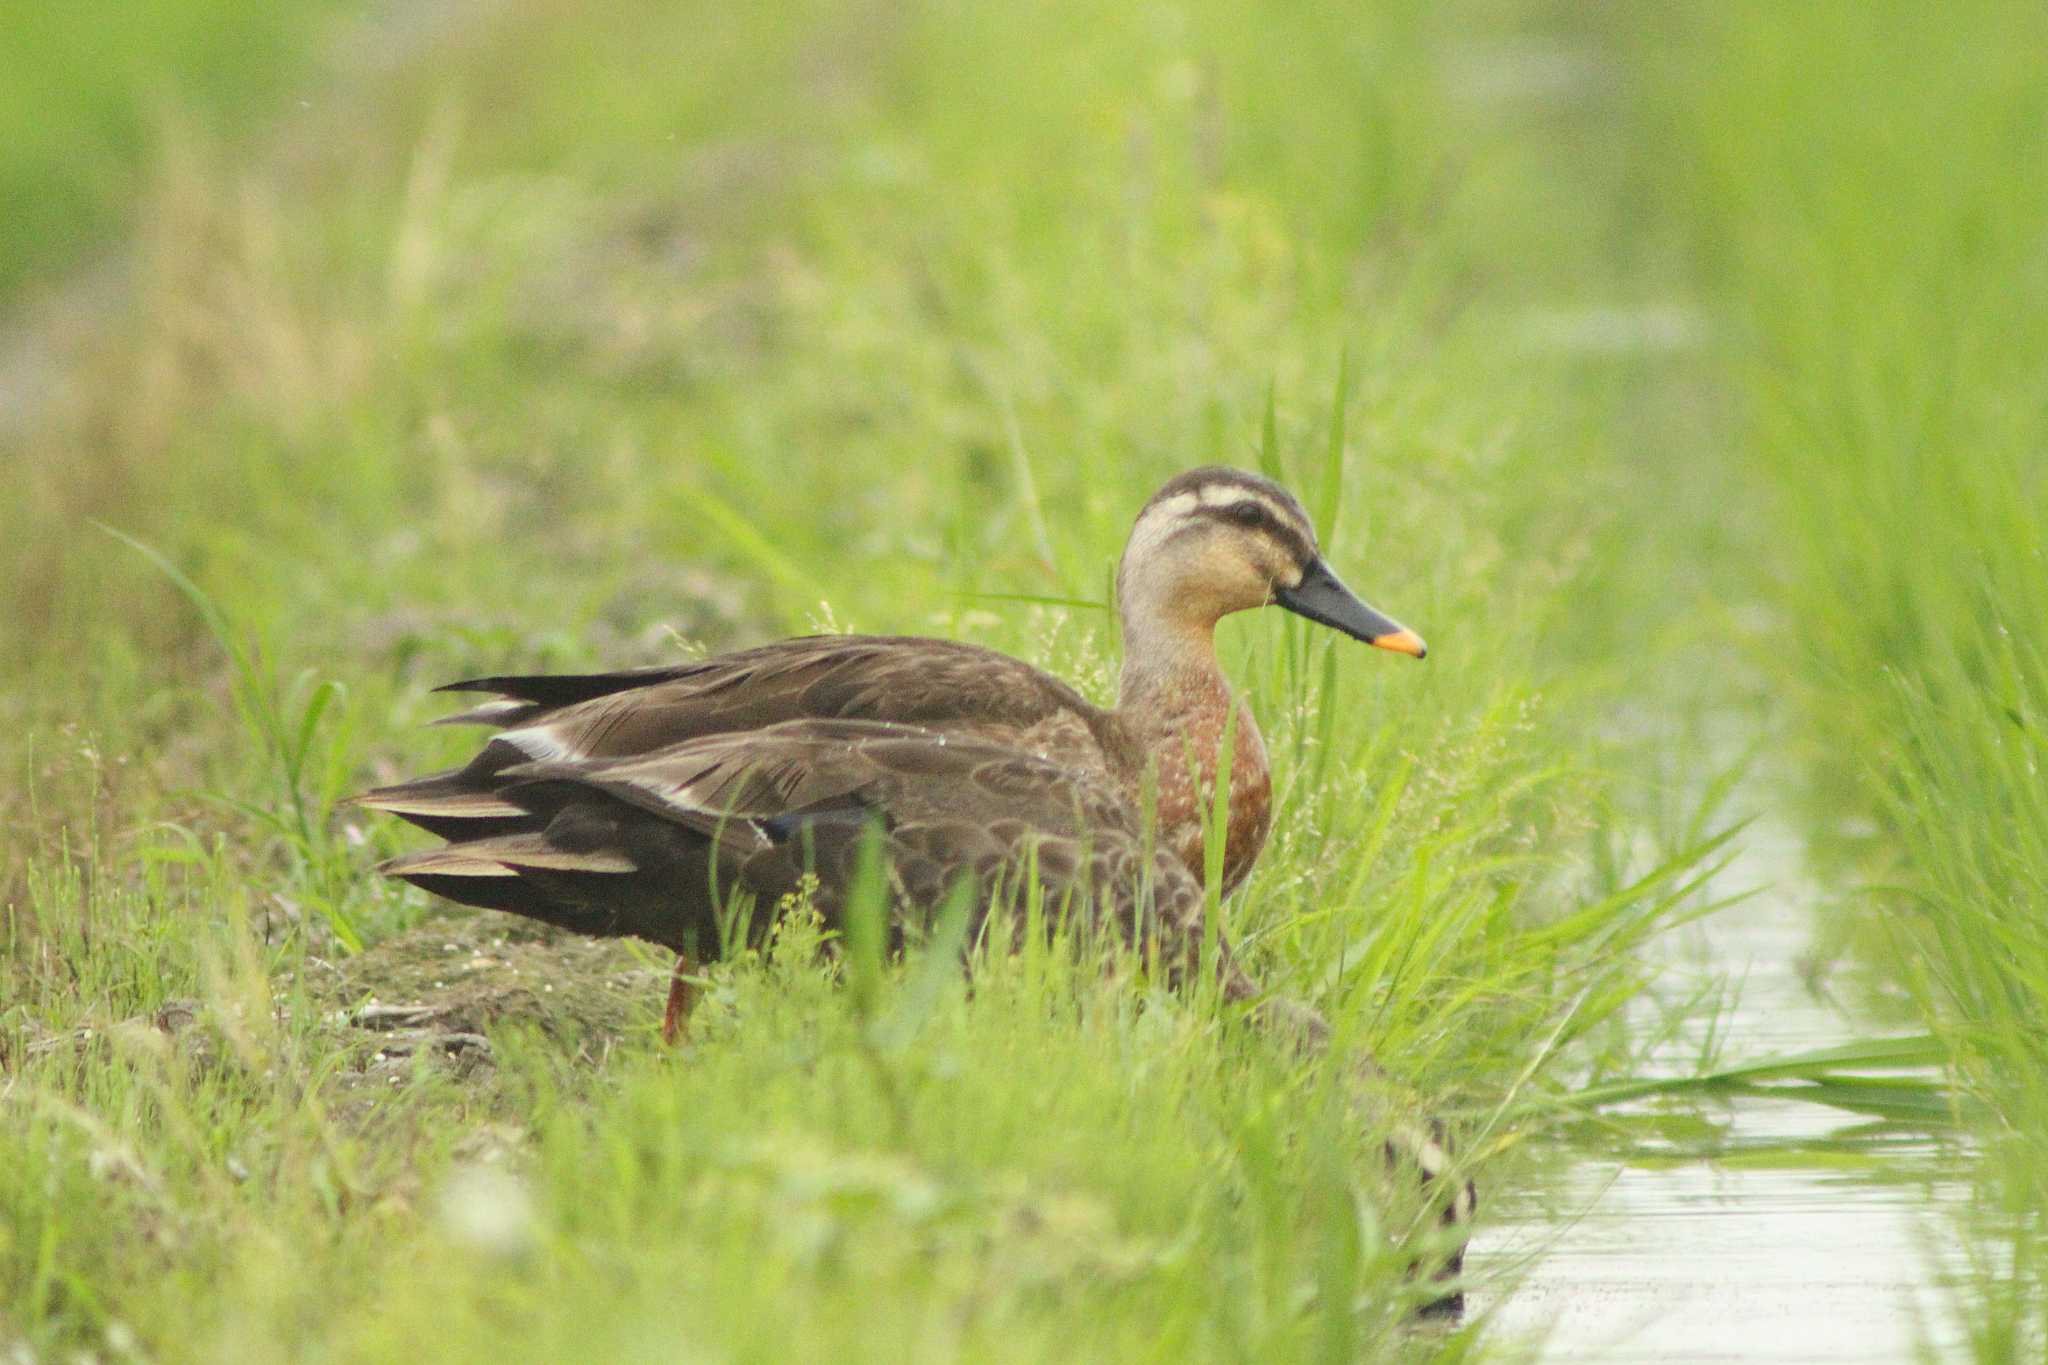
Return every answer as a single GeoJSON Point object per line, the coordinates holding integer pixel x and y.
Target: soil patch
{"type": "Point", "coordinates": [437, 989]}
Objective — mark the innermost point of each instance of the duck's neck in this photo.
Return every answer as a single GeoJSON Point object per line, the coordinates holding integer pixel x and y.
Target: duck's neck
{"type": "Point", "coordinates": [1170, 672]}
{"type": "Point", "coordinates": [1180, 713]}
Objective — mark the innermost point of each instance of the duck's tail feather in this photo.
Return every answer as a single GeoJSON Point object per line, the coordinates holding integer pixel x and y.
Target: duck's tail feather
{"type": "Point", "coordinates": [506, 855]}
{"type": "Point", "coordinates": [545, 691]}
{"type": "Point", "coordinates": [454, 805]}
{"type": "Point", "coordinates": [591, 866]}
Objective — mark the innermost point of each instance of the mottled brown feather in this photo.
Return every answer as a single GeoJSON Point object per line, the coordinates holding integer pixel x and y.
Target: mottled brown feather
{"type": "Point", "coordinates": [646, 802]}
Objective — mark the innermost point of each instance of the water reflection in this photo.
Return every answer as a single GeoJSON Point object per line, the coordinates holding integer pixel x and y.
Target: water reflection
{"type": "Point", "coordinates": [1808, 1236]}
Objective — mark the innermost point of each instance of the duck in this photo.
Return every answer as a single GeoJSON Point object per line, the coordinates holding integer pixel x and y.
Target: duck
{"type": "Point", "coordinates": [643, 802]}
{"type": "Point", "coordinates": [648, 802]}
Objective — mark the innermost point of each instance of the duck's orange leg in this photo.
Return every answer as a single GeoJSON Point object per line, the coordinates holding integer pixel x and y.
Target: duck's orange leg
{"type": "Point", "coordinates": [682, 998]}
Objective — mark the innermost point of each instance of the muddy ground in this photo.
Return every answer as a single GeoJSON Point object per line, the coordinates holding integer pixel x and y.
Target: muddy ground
{"type": "Point", "coordinates": [436, 990]}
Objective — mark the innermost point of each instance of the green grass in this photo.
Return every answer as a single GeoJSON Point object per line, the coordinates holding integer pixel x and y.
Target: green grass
{"type": "Point", "coordinates": [599, 335]}
{"type": "Point", "coordinates": [1854, 182]}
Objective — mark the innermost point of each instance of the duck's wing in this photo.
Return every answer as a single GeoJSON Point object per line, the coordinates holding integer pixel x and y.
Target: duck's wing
{"type": "Point", "coordinates": [910, 680]}
{"type": "Point", "coordinates": [941, 685]}
{"type": "Point", "coordinates": [656, 845]}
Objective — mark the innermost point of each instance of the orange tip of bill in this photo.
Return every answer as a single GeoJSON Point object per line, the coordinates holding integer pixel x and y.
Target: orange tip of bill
{"type": "Point", "coordinates": [1402, 642]}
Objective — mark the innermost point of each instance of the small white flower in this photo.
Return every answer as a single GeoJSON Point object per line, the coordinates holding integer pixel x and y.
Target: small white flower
{"type": "Point", "coordinates": [489, 1210]}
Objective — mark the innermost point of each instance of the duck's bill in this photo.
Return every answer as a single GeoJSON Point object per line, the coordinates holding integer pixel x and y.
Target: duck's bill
{"type": "Point", "coordinates": [1322, 597]}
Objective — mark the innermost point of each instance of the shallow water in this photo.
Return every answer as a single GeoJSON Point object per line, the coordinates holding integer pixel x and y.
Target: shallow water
{"type": "Point", "coordinates": [1755, 1258]}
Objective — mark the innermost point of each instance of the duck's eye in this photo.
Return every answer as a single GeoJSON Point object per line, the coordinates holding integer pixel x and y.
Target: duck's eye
{"type": "Point", "coordinates": [1246, 513]}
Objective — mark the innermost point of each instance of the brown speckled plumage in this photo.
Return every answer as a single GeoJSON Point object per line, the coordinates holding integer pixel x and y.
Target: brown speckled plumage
{"type": "Point", "coordinates": [637, 803]}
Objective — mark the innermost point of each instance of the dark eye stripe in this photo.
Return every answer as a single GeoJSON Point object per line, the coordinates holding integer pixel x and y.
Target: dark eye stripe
{"type": "Point", "coordinates": [1289, 538]}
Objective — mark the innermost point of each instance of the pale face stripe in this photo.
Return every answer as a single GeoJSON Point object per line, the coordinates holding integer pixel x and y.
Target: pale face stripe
{"type": "Point", "coordinates": [1227, 494]}
{"type": "Point", "coordinates": [1162, 516]}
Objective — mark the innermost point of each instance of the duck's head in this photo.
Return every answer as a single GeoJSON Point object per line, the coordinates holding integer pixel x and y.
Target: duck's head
{"type": "Point", "coordinates": [1218, 540]}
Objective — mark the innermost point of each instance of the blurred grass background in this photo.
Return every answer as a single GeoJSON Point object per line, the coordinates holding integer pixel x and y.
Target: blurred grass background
{"type": "Point", "coordinates": [1676, 373]}
{"type": "Point", "coordinates": [85, 90]}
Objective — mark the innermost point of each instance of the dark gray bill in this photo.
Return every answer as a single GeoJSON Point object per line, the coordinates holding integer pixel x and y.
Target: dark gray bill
{"type": "Point", "coordinates": [1322, 597]}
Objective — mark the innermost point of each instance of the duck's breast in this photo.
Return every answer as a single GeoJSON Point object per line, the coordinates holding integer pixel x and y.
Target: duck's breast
{"type": "Point", "coordinates": [1186, 793]}
{"type": "Point", "coordinates": [1251, 803]}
